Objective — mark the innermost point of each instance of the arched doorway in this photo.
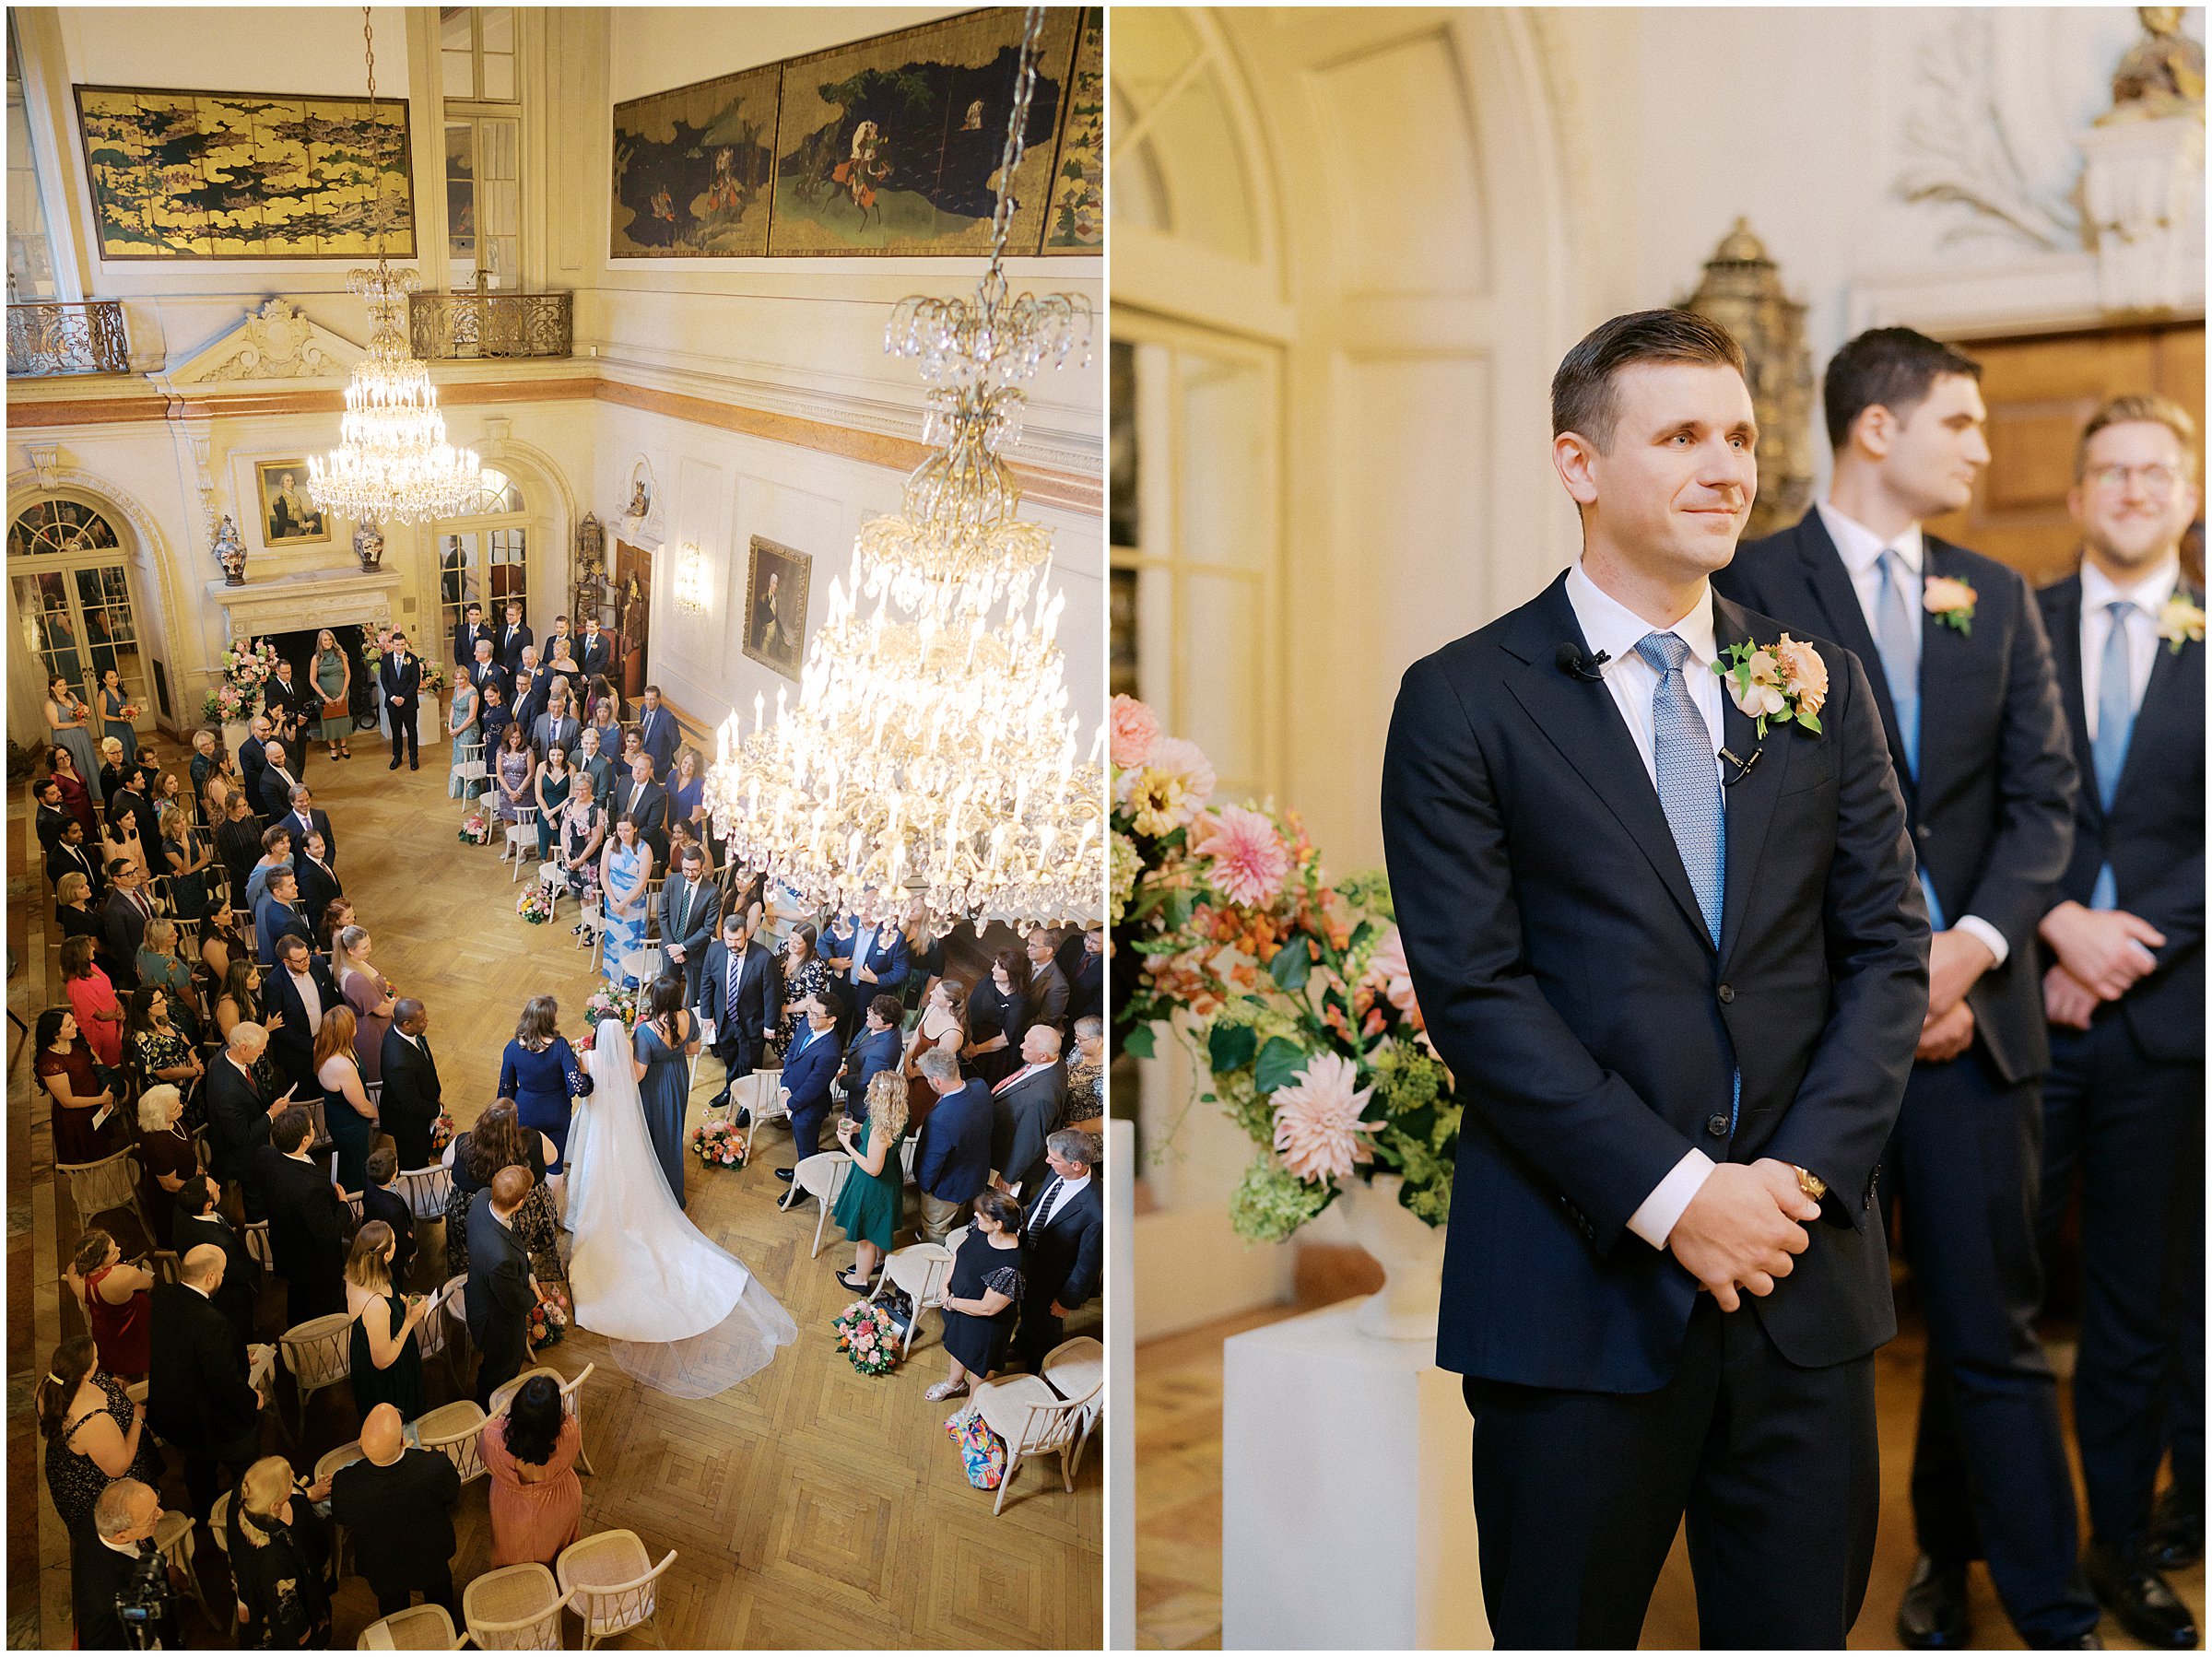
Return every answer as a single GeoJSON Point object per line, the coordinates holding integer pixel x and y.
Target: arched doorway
{"type": "Point", "coordinates": [70, 579]}
{"type": "Point", "coordinates": [484, 554]}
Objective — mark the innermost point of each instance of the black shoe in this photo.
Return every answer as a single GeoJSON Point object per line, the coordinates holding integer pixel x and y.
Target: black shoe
{"type": "Point", "coordinates": [784, 1174]}
{"type": "Point", "coordinates": [2126, 1585]}
{"type": "Point", "coordinates": [393, 767]}
{"type": "Point", "coordinates": [2177, 1529]}
{"type": "Point", "coordinates": [717, 1102]}
{"type": "Point", "coordinates": [744, 1116]}
{"type": "Point", "coordinates": [414, 765]}
{"type": "Point", "coordinates": [1933, 1614]}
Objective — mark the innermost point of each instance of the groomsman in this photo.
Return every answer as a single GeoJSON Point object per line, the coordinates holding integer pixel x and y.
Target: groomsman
{"type": "Point", "coordinates": [657, 733]}
{"type": "Point", "coordinates": [741, 992]}
{"type": "Point", "coordinates": [596, 654]}
{"type": "Point", "coordinates": [513, 637]}
{"type": "Point", "coordinates": [473, 628]}
{"type": "Point", "coordinates": [531, 682]}
{"type": "Point", "coordinates": [687, 906]}
{"type": "Point", "coordinates": [1679, 968]}
{"type": "Point", "coordinates": [1969, 706]}
{"type": "Point", "coordinates": [2124, 986]}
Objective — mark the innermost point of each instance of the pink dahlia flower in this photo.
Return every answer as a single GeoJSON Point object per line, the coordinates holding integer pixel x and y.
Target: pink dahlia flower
{"type": "Point", "coordinates": [1135, 729]}
{"type": "Point", "coordinates": [1387, 968]}
{"type": "Point", "coordinates": [1317, 1126]}
{"type": "Point", "coordinates": [1250, 859]}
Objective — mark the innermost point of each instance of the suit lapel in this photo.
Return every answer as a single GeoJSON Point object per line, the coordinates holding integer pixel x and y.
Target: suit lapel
{"type": "Point", "coordinates": [1580, 721]}
{"type": "Point", "coordinates": [1846, 624]}
{"type": "Point", "coordinates": [1749, 801]}
{"type": "Point", "coordinates": [1950, 658]}
{"type": "Point", "coordinates": [2065, 657]}
{"type": "Point", "coordinates": [2177, 682]}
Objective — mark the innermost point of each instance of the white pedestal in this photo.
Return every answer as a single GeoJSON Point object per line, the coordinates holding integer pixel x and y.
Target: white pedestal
{"type": "Point", "coordinates": [1345, 1516]}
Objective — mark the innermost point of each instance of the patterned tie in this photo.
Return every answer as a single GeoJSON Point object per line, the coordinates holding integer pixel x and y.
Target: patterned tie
{"type": "Point", "coordinates": [735, 971]}
{"type": "Point", "coordinates": [1689, 783]}
{"type": "Point", "coordinates": [1042, 1212]}
{"type": "Point", "coordinates": [2115, 723]}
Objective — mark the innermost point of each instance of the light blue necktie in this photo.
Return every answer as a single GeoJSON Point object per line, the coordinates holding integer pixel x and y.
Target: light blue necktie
{"type": "Point", "coordinates": [2115, 723]}
{"type": "Point", "coordinates": [1897, 639]}
{"type": "Point", "coordinates": [1690, 792]}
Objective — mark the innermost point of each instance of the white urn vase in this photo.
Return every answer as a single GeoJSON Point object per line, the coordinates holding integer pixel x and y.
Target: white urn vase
{"type": "Point", "coordinates": [1410, 1251]}
{"type": "Point", "coordinates": [235, 731]}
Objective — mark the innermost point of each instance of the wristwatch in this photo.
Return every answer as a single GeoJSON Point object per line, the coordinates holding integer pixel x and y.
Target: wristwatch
{"type": "Point", "coordinates": [1811, 1183]}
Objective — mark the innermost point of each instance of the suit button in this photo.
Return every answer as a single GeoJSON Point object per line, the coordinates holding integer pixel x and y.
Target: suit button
{"type": "Point", "coordinates": [1717, 1125]}
{"type": "Point", "coordinates": [1920, 833]}
{"type": "Point", "coordinates": [1727, 993]}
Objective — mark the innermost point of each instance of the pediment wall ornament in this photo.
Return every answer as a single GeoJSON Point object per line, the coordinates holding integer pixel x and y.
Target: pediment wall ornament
{"type": "Point", "coordinates": [277, 342]}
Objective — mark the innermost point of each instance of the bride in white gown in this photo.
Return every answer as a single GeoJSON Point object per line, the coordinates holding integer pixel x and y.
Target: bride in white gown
{"type": "Point", "coordinates": [684, 1316]}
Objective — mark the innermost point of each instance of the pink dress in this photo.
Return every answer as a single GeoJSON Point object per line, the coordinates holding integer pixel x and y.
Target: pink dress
{"type": "Point", "coordinates": [364, 990]}
{"type": "Point", "coordinates": [91, 994]}
{"type": "Point", "coordinates": [531, 1523]}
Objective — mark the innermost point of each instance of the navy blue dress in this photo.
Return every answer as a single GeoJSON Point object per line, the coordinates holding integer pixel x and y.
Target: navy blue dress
{"type": "Point", "coordinates": [541, 1084]}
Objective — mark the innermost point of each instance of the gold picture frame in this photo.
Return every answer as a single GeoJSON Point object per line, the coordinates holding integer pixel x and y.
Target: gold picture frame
{"type": "Point", "coordinates": [288, 517]}
{"type": "Point", "coordinates": [776, 581]}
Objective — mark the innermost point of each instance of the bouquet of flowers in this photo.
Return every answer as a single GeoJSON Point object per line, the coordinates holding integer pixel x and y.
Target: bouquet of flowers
{"type": "Point", "coordinates": [476, 828]}
{"type": "Point", "coordinates": [719, 1144]}
{"type": "Point", "coordinates": [373, 649]}
{"type": "Point", "coordinates": [611, 1001]}
{"type": "Point", "coordinates": [549, 1318]}
{"type": "Point", "coordinates": [246, 668]}
{"type": "Point", "coordinates": [536, 905]}
{"type": "Point", "coordinates": [227, 704]}
{"type": "Point", "coordinates": [441, 1131]}
{"type": "Point", "coordinates": [867, 1335]}
{"type": "Point", "coordinates": [433, 678]}
{"type": "Point", "coordinates": [1292, 989]}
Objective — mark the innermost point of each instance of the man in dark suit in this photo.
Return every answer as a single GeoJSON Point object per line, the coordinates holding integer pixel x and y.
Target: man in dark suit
{"type": "Point", "coordinates": [307, 1221]}
{"type": "Point", "coordinates": [555, 729]}
{"type": "Point", "coordinates": [277, 781]}
{"type": "Point", "coordinates": [646, 802]}
{"type": "Point", "coordinates": [380, 1202]}
{"type": "Point", "coordinates": [305, 817]}
{"type": "Point", "coordinates": [197, 1221]}
{"type": "Point", "coordinates": [741, 990]}
{"type": "Point", "coordinates": [952, 1157]}
{"type": "Point", "coordinates": [595, 655]}
{"type": "Point", "coordinates": [1026, 1107]}
{"type": "Point", "coordinates": [875, 1049]}
{"type": "Point", "coordinates": [514, 635]}
{"type": "Point", "coordinates": [318, 883]}
{"type": "Point", "coordinates": [399, 682]}
{"type": "Point", "coordinates": [124, 918]}
{"type": "Point", "coordinates": [687, 903]}
{"type": "Point", "coordinates": [1962, 675]}
{"type": "Point", "coordinates": [1047, 985]}
{"type": "Point", "coordinates": [808, 1069]}
{"type": "Point", "coordinates": [1064, 1244]}
{"type": "Point", "coordinates": [253, 757]}
{"type": "Point", "coordinates": [239, 1118]}
{"type": "Point", "coordinates": [2124, 988]}
{"type": "Point", "coordinates": [412, 1098]}
{"type": "Point", "coordinates": [275, 917]}
{"type": "Point", "coordinates": [397, 1506]}
{"type": "Point", "coordinates": [531, 684]}
{"type": "Point", "coordinates": [68, 855]}
{"type": "Point", "coordinates": [499, 1290]}
{"type": "Point", "coordinates": [485, 670]}
{"type": "Point", "coordinates": [1082, 958]}
{"type": "Point", "coordinates": [104, 1557]}
{"type": "Point", "coordinates": [132, 799]}
{"type": "Point", "coordinates": [51, 818]}
{"type": "Point", "coordinates": [285, 700]}
{"type": "Point", "coordinates": [471, 628]}
{"type": "Point", "coordinates": [197, 1396]}
{"type": "Point", "coordinates": [1678, 970]}
{"type": "Point", "coordinates": [658, 732]}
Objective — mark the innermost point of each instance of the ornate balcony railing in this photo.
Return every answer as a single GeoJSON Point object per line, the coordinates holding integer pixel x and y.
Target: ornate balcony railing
{"type": "Point", "coordinates": [67, 336]}
{"type": "Point", "coordinates": [457, 325]}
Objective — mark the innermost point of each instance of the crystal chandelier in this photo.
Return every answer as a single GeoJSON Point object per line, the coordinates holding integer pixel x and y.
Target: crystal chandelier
{"type": "Point", "coordinates": [931, 753]}
{"type": "Point", "coordinates": [393, 464]}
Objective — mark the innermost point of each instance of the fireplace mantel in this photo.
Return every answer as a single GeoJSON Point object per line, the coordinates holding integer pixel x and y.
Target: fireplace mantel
{"type": "Point", "coordinates": [308, 598]}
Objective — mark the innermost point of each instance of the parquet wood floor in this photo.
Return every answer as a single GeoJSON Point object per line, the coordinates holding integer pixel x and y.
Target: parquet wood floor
{"type": "Point", "coordinates": [812, 1507]}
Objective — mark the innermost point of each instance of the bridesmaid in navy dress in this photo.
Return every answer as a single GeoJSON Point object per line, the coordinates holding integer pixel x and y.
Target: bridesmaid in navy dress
{"type": "Point", "coordinates": [540, 1074]}
{"type": "Point", "coordinates": [662, 1051]}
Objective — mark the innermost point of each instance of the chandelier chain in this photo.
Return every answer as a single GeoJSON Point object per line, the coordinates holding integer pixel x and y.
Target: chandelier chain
{"type": "Point", "coordinates": [1017, 123]}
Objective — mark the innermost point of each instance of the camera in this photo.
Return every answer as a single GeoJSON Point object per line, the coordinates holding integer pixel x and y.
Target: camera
{"type": "Point", "coordinates": [147, 1607]}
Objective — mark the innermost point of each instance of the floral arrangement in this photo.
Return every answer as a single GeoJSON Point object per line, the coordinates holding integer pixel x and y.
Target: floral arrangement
{"type": "Point", "coordinates": [227, 704]}
{"type": "Point", "coordinates": [433, 678]}
{"type": "Point", "coordinates": [549, 1318]}
{"type": "Point", "coordinates": [1292, 989]}
{"type": "Point", "coordinates": [476, 828]}
{"type": "Point", "coordinates": [536, 905]}
{"type": "Point", "coordinates": [1950, 601]}
{"type": "Point", "coordinates": [612, 1000]}
{"type": "Point", "coordinates": [246, 668]}
{"type": "Point", "coordinates": [1784, 681]}
{"type": "Point", "coordinates": [441, 1131]}
{"type": "Point", "coordinates": [373, 649]}
{"type": "Point", "coordinates": [719, 1144]}
{"type": "Point", "coordinates": [867, 1335]}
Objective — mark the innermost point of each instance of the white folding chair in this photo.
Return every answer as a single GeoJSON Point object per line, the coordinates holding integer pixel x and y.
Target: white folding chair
{"type": "Point", "coordinates": [611, 1582]}
{"type": "Point", "coordinates": [515, 1608]}
{"type": "Point", "coordinates": [521, 837]}
{"type": "Point", "coordinates": [424, 1627]}
{"type": "Point", "coordinates": [923, 1270]}
{"type": "Point", "coordinates": [643, 965]}
{"type": "Point", "coordinates": [105, 1186]}
{"type": "Point", "coordinates": [455, 1431]}
{"type": "Point", "coordinates": [319, 1353]}
{"type": "Point", "coordinates": [822, 1176]}
{"type": "Point", "coordinates": [572, 1400]}
{"type": "Point", "coordinates": [469, 769]}
{"type": "Point", "coordinates": [1034, 1420]}
{"type": "Point", "coordinates": [770, 1100]}
{"type": "Point", "coordinates": [172, 1537]}
{"type": "Point", "coordinates": [1077, 1369]}
{"type": "Point", "coordinates": [345, 1455]}
{"type": "Point", "coordinates": [256, 1235]}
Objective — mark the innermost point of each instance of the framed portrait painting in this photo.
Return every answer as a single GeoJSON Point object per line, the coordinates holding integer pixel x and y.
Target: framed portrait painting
{"type": "Point", "coordinates": [776, 580]}
{"type": "Point", "coordinates": [288, 517]}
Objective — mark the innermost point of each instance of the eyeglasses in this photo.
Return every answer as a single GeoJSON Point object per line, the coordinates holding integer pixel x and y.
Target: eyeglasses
{"type": "Point", "coordinates": [2157, 479]}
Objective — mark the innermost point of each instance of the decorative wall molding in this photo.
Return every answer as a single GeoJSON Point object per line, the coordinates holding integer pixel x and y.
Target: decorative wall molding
{"type": "Point", "coordinates": [307, 598]}
{"type": "Point", "coordinates": [277, 342]}
{"type": "Point", "coordinates": [45, 465]}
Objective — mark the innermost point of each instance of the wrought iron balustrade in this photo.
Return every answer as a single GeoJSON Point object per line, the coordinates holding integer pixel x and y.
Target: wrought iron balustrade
{"type": "Point", "coordinates": [67, 336]}
{"type": "Point", "coordinates": [447, 326]}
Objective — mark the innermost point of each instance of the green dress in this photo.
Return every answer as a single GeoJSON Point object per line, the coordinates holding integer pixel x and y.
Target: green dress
{"type": "Point", "coordinates": [868, 1207]}
{"type": "Point", "coordinates": [330, 679]}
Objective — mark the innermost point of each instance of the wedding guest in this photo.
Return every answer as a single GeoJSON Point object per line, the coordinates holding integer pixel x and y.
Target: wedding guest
{"type": "Point", "coordinates": [515, 637]}
{"type": "Point", "coordinates": [240, 996]}
{"type": "Point", "coordinates": [688, 907]}
{"type": "Point", "coordinates": [88, 1125]}
{"type": "Point", "coordinates": [380, 1201]}
{"type": "Point", "coordinates": [396, 1505]}
{"type": "Point", "coordinates": [305, 817]}
{"type": "Point", "coordinates": [53, 821]}
{"type": "Point", "coordinates": [116, 715]}
{"type": "Point", "coordinates": [94, 1433]}
{"type": "Point", "coordinates": [869, 1205]}
{"type": "Point", "coordinates": [925, 954]}
{"type": "Point", "coordinates": [606, 716]}
{"type": "Point", "coordinates": [1027, 1106]}
{"type": "Point", "coordinates": [241, 1111]}
{"type": "Point", "coordinates": [76, 783]}
{"type": "Point", "coordinates": [530, 1452]}
{"type": "Point", "coordinates": [658, 734]}
{"type": "Point", "coordinates": [998, 1015]}
{"type": "Point", "coordinates": [514, 773]}
{"type": "Point", "coordinates": [238, 843]}
{"type": "Point", "coordinates": [486, 671]}
{"type": "Point", "coordinates": [942, 1026]}
{"type": "Point", "coordinates": [114, 1299]}
{"type": "Point", "coordinates": [338, 916]}
{"type": "Point", "coordinates": [1048, 986]}
{"type": "Point", "coordinates": [68, 728]}
{"type": "Point", "coordinates": [307, 1221]}
{"type": "Point", "coordinates": [126, 915]}
{"type": "Point", "coordinates": [626, 867]}
{"type": "Point", "coordinates": [879, 964]}
{"type": "Point", "coordinates": [841, 942]}
{"type": "Point", "coordinates": [662, 1049]}
{"type": "Point", "coordinates": [111, 777]}
{"type": "Point", "coordinates": [222, 945]}
{"type": "Point", "coordinates": [198, 1398]}
{"type": "Point", "coordinates": [399, 682]}
{"type": "Point", "coordinates": [1082, 958]}
{"type": "Point", "coordinates": [539, 1071]}
{"type": "Point", "coordinates": [386, 1367]}
{"type": "Point", "coordinates": [298, 994]}
{"type": "Point", "coordinates": [318, 883]}
{"type": "Point", "coordinates": [1087, 1072]}
{"type": "Point", "coordinates": [645, 801]}
{"type": "Point", "coordinates": [739, 992]}
{"type": "Point", "coordinates": [332, 673]}
{"type": "Point", "coordinates": [197, 1221]}
{"type": "Point", "coordinates": [687, 787]}
{"type": "Point", "coordinates": [808, 1069]}
{"type": "Point", "coordinates": [531, 685]}
{"type": "Point", "coordinates": [277, 781]}
{"type": "Point", "coordinates": [684, 837]}
{"type": "Point", "coordinates": [492, 720]}
{"type": "Point", "coordinates": [184, 858]}
{"type": "Point", "coordinates": [952, 1152]}
{"type": "Point", "coordinates": [461, 724]}
{"type": "Point", "coordinates": [348, 1113]}
{"type": "Point", "coordinates": [983, 1297]}
{"type": "Point", "coordinates": [875, 1049]}
{"type": "Point", "coordinates": [73, 908]}
{"type": "Point", "coordinates": [369, 993]}
{"type": "Point", "coordinates": [412, 1099]}
{"type": "Point", "coordinates": [499, 1285]}
{"type": "Point", "coordinates": [286, 701]}
{"type": "Point", "coordinates": [496, 1140]}
{"type": "Point", "coordinates": [279, 913]}
{"type": "Point", "coordinates": [166, 1157]}
{"type": "Point", "coordinates": [805, 976]}
{"type": "Point", "coordinates": [92, 998]}
{"type": "Point", "coordinates": [278, 1554]}
{"type": "Point", "coordinates": [104, 1558]}
{"type": "Point", "coordinates": [598, 765]}
{"type": "Point", "coordinates": [222, 786]}
{"type": "Point", "coordinates": [595, 655]}
{"type": "Point", "coordinates": [276, 854]}
{"type": "Point", "coordinates": [164, 1052]}
{"type": "Point", "coordinates": [471, 628]}
{"type": "Point", "coordinates": [253, 757]}
{"type": "Point", "coordinates": [1063, 1237]}
{"type": "Point", "coordinates": [560, 651]}
{"type": "Point", "coordinates": [550, 788]}
{"type": "Point", "coordinates": [582, 830]}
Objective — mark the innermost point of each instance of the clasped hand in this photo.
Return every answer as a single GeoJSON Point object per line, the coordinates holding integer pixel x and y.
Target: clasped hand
{"type": "Point", "coordinates": [1743, 1228]}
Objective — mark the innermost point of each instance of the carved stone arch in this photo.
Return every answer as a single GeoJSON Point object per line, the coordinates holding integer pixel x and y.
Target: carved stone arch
{"type": "Point", "coordinates": [551, 502]}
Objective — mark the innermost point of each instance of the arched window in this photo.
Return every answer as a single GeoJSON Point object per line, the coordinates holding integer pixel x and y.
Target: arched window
{"type": "Point", "coordinates": [483, 555]}
{"type": "Point", "coordinates": [72, 587]}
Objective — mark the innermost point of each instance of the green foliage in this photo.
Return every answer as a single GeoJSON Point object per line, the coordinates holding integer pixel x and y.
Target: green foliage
{"type": "Point", "coordinates": [1231, 1046]}
{"type": "Point", "coordinates": [1138, 1043]}
{"type": "Point", "coordinates": [1280, 1063]}
{"type": "Point", "coordinates": [1270, 1202]}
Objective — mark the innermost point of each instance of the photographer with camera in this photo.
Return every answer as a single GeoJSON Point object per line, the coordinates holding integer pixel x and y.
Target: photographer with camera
{"type": "Point", "coordinates": [118, 1583]}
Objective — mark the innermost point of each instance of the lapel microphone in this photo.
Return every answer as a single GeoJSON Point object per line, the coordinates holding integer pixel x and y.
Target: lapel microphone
{"type": "Point", "coordinates": [1568, 659]}
{"type": "Point", "coordinates": [1742, 767]}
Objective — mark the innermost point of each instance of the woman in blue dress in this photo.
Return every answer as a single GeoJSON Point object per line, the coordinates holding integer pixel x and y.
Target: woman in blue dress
{"type": "Point", "coordinates": [540, 1074]}
{"type": "Point", "coordinates": [116, 708]}
{"type": "Point", "coordinates": [461, 726]}
{"type": "Point", "coordinates": [686, 789]}
{"type": "Point", "coordinates": [625, 868]}
{"type": "Point", "coordinates": [70, 725]}
{"type": "Point", "coordinates": [662, 1051]}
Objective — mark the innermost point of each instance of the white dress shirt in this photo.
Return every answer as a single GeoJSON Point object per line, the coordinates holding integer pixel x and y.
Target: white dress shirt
{"type": "Point", "coordinates": [1862, 550]}
{"type": "Point", "coordinates": [1610, 626]}
{"type": "Point", "coordinates": [1069, 1190]}
{"type": "Point", "coordinates": [309, 998]}
{"type": "Point", "coordinates": [2148, 595]}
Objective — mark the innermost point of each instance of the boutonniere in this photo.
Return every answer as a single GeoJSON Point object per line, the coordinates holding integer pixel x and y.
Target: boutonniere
{"type": "Point", "coordinates": [1950, 601]}
{"type": "Point", "coordinates": [2181, 622]}
{"type": "Point", "coordinates": [1784, 681]}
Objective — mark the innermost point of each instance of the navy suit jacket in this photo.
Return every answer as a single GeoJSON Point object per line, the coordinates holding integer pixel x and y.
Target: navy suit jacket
{"type": "Point", "coordinates": [594, 655]}
{"type": "Point", "coordinates": [658, 734]}
{"type": "Point", "coordinates": [1992, 811]}
{"type": "Point", "coordinates": [2154, 836]}
{"type": "Point", "coordinates": [952, 1162]}
{"type": "Point", "coordinates": [511, 641]}
{"type": "Point", "coordinates": [464, 642]}
{"type": "Point", "coordinates": [759, 999]}
{"type": "Point", "coordinates": [872, 1052]}
{"type": "Point", "coordinates": [808, 1072]}
{"type": "Point", "coordinates": [401, 679]}
{"type": "Point", "coordinates": [887, 964]}
{"type": "Point", "coordinates": [1567, 976]}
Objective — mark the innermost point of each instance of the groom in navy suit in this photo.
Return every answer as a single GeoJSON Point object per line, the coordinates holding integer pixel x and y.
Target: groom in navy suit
{"type": "Point", "coordinates": [1677, 967]}
{"type": "Point", "coordinates": [1969, 712]}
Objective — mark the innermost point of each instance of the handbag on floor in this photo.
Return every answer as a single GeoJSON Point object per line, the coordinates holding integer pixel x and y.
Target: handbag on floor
{"type": "Point", "coordinates": [983, 1452]}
